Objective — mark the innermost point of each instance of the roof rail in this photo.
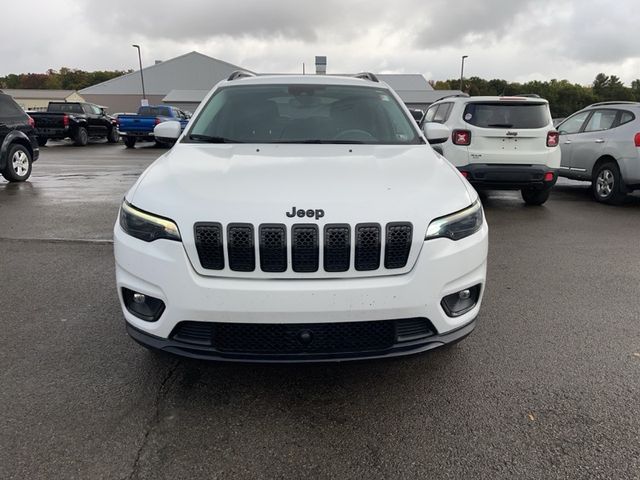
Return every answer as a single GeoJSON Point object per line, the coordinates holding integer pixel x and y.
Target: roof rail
{"type": "Point", "coordinates": [240, 74]}
{"type": "Point", "coordinates": [621, 102]}
{"type": "Point", "coordinates": [452, 96]}
{"type": "Point", "coordinates": [526, 95]}
{"type": "Point", "coordinates": [367, 76]}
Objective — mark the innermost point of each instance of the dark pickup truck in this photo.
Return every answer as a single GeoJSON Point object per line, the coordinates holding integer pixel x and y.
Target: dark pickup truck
{"type": "Point", "coordinates": [76, 120]}
{"type": "Point", "coordinates": [140, 126]}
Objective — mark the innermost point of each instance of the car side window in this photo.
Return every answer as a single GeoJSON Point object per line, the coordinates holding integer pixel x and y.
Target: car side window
{"type": "Point", "coordinates": [442, 113]}
{"type": "Point", "coordinates": [87, 108]}
{"type": "Point", "coordinates": [573, 124]}
{"type": "Point", "coordinates": [601, 120]}
{"type": "Point", "coordinates": [625, 117]}
{"type": "Point", "coordinates": [428, 117]}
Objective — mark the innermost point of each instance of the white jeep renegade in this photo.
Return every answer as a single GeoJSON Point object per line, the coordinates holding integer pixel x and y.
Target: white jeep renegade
{"type": "Point", "coordinates": [300, 218]}
{"type": "Point", "coordinates": [502, 143]}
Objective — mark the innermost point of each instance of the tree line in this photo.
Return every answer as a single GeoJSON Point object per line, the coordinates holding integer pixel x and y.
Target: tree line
{"type": "Point", "coordinates": [564, 97]}
{"type": "Point", "coordinates": [64, 79]}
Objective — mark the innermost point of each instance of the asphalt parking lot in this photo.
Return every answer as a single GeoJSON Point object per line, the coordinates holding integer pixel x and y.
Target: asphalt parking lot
{"type": "Point", "coordinates": [548, 386]}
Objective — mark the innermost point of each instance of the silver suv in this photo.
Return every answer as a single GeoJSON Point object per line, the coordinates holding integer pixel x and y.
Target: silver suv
{"type": "Point", "coordinates": [600, 143]}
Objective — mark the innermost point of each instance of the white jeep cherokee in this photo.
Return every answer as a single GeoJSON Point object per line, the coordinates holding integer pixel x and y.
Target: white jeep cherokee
{"type": "Point", "coordinates": [300, 218]}
{"type": "Point", "coordinates": [502, 143]}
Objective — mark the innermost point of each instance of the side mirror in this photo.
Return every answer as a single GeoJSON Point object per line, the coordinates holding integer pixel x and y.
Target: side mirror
{"type": "Point", "coordinates": [436, 132]}
{"type": "Point", "coordinates": [167, 131]}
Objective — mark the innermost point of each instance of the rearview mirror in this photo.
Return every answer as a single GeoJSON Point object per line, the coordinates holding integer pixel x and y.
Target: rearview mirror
{"type": "Point", "coordinates": [436, 132]}
{"type": "Point", "coordinates": [167, 131]}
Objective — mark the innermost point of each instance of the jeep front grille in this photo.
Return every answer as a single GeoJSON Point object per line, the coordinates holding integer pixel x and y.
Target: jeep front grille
{"type": "Point", "coordinates": [240, 247]}
{"type": "Point", "coordinates": [367, 246]}
{"type": "Point", "coordinates": [337, 248]}
{"type": "Point", "coordinates": [303, 253]}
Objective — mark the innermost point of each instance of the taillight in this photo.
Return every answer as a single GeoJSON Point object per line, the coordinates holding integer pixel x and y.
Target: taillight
{"type": "Point", "coordinates": [461, 137]}
{"type": "Point", "coordinates": [65, 120]}
{"type": "Point", "coordinates": [464, 174]}
{"type": "Point", "coordinates": [32, 122]}
{"type": "Point", "coordinates": [548, 177]}
{"type": "Point", "coordinates": [553, 139]}
{"type": "Point", "coordinates": [158, 121]}
{"type": "Point", "coordinates": [636, 139]}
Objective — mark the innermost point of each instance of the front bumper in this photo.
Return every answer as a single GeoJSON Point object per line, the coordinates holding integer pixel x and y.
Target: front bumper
{"type": "Point", "coordinates": [399, 348]}
{"type": "Point", "coordinates": [498, 176]}
{"type": "Point", "coordinates": [162, 269]}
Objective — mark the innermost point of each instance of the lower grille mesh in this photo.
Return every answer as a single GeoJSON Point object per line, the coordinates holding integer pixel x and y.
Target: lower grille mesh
{"type": "Point", "coordinates": [300, 338]}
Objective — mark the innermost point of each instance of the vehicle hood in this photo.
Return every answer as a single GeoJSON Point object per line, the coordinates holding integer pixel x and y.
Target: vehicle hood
{"type": "Point", "coordinates": [259, 183]}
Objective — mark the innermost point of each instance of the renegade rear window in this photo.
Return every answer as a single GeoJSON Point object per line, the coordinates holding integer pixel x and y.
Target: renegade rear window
{"type": "Point", "coordinates": [303, 113]}
{"type": "Point", "coordinates": [507, 114]}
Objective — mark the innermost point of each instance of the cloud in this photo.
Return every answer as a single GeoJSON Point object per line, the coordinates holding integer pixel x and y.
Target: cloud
{"type": "Point", "coordinates": [573, 39]}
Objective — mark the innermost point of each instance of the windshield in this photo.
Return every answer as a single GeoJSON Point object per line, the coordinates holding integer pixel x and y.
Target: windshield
{"type": "Point", "coordinates": [507, 115]}
{"type": "Point", "coordinates": [303, 114]}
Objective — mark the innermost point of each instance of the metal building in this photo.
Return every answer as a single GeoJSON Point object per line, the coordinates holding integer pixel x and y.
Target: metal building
{"type": "Point", "coordinates": [192, 71]}
{"type": "Point", "coordinates": [38, 99]}
{"type": "Point", "coordinates": [185, 80]}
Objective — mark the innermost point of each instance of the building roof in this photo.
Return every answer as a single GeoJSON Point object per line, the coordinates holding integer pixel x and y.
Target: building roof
{"type": "Point", "coordinates": [191, 71]}
{"type": "Point", "coordinates": [405, 81]}
{"type": "Point", "coordinates": [37, 94]}
{"type": "Point", "coordinates": [426, 96]}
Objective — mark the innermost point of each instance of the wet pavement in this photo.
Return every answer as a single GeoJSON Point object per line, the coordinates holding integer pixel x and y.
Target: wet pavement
{"type": "Point", "coordinates": [548, 386]}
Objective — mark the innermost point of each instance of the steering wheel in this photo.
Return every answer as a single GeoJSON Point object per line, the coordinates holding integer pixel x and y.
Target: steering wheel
{"type": "Point", "coordinates": [353, 134]}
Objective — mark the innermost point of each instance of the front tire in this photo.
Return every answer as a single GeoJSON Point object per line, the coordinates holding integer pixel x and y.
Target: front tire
{"type": "Point", "coordinates": [607, 184]}
{"type": "Point", "coordinates": [535, 197]}
{"type": "Point", "coordinates": [130, 142]}
{"type": "Point", "coordinates": [19, 161]}
{"type": "Point", "coordinates": [42, 141]}
{"type": "Point", "coordinates": [81, 138]}
{"type": "Point", "coordinates": [113, 136]}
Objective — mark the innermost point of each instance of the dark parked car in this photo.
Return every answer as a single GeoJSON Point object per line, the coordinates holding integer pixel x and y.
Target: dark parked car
{"type": "Point", "coordinates": [76, 120]}
{"type": "Point", "coordinates": [19, 146]}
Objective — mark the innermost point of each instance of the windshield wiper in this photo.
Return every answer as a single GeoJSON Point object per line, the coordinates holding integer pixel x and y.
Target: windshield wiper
{"type": "Point", "coordinates": [500, 125]}
{"type": "Point", "coordinates": [211, 139]}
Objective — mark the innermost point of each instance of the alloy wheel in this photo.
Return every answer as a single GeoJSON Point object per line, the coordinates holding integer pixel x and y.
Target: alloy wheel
{"type": "Point", "coordinates": [604, 183]}
{"type": "Point", "coordinates": [20, 162]}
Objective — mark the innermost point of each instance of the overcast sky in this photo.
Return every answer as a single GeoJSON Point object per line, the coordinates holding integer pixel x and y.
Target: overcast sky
{"type": "Point", "coordinates": [518, 40]}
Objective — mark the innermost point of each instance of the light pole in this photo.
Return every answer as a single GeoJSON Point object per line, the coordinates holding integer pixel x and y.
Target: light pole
{"type": "Point", "coordinates": [462, 72]}
{"type": "Point", "coordinates": [144, 96]}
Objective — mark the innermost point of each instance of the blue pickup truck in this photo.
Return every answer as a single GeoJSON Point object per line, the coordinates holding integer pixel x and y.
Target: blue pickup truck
{"type": "Point", "coordinates": [140, 127]}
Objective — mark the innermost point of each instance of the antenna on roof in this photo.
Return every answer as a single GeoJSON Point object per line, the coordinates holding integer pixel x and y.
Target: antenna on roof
{"type": "Point", "coordinates": [367, 76]}
{"type": "Point", "coordinates": [240, 74]}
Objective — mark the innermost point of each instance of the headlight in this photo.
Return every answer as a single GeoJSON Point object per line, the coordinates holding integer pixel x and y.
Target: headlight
{"type": "Point", "coordinates": [457, 225]}
{"type": "Point", "coordinates": [146, 226]}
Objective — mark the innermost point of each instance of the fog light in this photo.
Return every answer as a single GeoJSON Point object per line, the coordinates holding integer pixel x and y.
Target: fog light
{"type": "Point", "coordinates": [142, 306]}
{"type": "Point", "coordinates": [461, 302]}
